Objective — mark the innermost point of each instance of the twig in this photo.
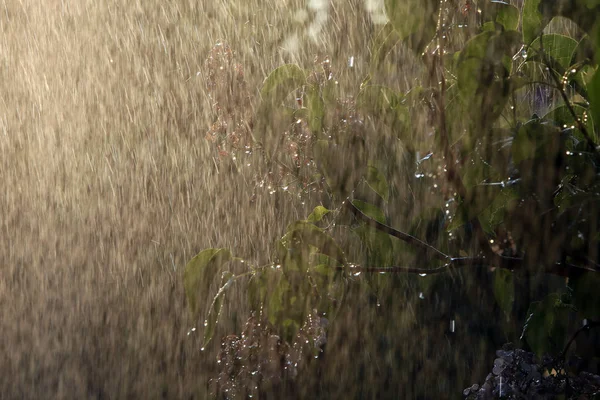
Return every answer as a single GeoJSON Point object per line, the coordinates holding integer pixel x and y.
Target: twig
{"type": "Point", "coordinates": [497, 261]}
{"type": "Point", "coordinates": [589, 325]}
{"type": "Point", "coordinates": [396, 233]}
{"type": "Point", "coordinates": [451, 173]}
{"type": "Point", "coordinates": [563, 94]}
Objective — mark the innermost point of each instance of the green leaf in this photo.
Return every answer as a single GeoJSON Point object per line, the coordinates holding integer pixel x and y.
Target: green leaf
{"type": "Point", "coordinates": [530, 139]}
{"type": "Point", "coordinates": [507, 16]}
{"type": "Point", "coordinates": [413, 18]}
{"type": "Point", "coordinates": [561, 117]}
{"type": "Point", "coordinates": [533, 22]}
{"type": "Point", "coordinates": [377, 182]}
{"type": "Point", "coordinates": [215, 310]}
{"type": "Point", "coordinates": [559, 48]}
{"type": "Point", "coordinates": [504, 289]}
{"type": "Point", "coordinates": [384, 104]}
{"type": "Point", "coordinates": [201, 271]}
{"type": "Point", "coordinates": [547, 325]}
{"type": "Point", "coordinates": [370, 210]}
{"type": "Point", "coordinates": [316, 110]}
{"type": "Point", "coordinates": [281, 82]}
{"type": "Point", "coordinates": [318, 213]}
{"type": "Point", "coordinates": [380, 249]}
{"type": "Point", "coordinates": [594, 93]}
{"type": "Point", "coordinates": [295, 245]}
{"type": "Point", "coordinates": [379, 246]}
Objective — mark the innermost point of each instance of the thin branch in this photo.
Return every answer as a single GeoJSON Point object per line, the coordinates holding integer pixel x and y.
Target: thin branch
{"type": "Point", "coordinates": [396, 233]}
{"type": "Point", "coordinates": [508, 263]}
{"type": "Point", "coordinates": [452, 175]}
{"type": "Point", "coordinates": [565, 98]}
{"type": "Point", "coordinates": [589, 325]}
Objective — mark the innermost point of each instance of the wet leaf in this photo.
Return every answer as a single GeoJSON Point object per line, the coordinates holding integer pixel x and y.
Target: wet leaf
{"type": "Point", "coordinates": [530, 139]}
{"type": "Point", "coordinates": [281, 82]}
{"type": "Point", "coordinates": [561, 117]}
{"type": "Point", "coordinates": [508, 16]}
{"type": "Point", "coordinates": [370, 210]}
{"type": "Point", "coordinates": [316, 110]}
{"type": "Point", "coordinates": [215, 310]}
{"type": "Point", "coordinates": [295, 245]}
{"type": "Point", "coordinates": [559, 48]}
{"type": "Point", "coordinates": [385, 105]}
{"type": "Point", "coordinates": [594, 93]}
{"type": "Point", "coordinates": [504, 289]}
{"type": "Point", "coordinates": [377, 182]}
{"type": "Point", "coordinates": [414, 19]}
{"type": "Point", "coordinates": [547, 325]}
{"type": "Point", "coordinates": [201, 271]}
{"type": "Point", "coordinates": [318, 213]}
{"type": "Point", "coordinates": [532, 20]}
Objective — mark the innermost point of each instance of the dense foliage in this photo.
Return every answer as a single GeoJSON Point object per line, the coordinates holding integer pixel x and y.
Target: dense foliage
{"type": "Point", "coordinates": [502, 131]}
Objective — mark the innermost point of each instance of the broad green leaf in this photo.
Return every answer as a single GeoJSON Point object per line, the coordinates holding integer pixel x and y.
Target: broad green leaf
{"type": "Point", "coordinates": [533, 22]}
{"type": "Point", "coordinates": [379, 246]}
{"type": "Point", "coordinates": [559, 48]}
{"type": "Point", "coordinates": [295, 245]}
{"type": "Point", "coordinates": [380, 249]}
{"type": "Point", "coordinates": [495, 213]}
{"type": "Point", "coordinates": [507, 16]}
{"type": "Point", "coordinates": [318, 213]}
{"type": "Point", "coordinates": [201, 271]}
{"type": "Point", "coordinates": [547, 325]}
{"type": "Point", "coordinates": [316, 110]}
{"type": "Point", "coordinates": [370, 210]}
{"type": "Point", "coordinates": [561, 116]}
{"type": "Point", "coordinates": [281, 82]}
{"type": "Point", "coordinates": [594, 93]}
{"type": "Point", "coordinates": [504, 289]}
{"type": "Point", "coordinates": [384, 104]}
{"type": "Point", "coordinates": [584, 52]}
{"type": "Point", "coordinates": [530, 139]}
{"type": "Point", "coordinates": [215, 310]}
{"type": "Point", "coordinates": [377, 182]}
{"type": "Point", "coordinates": [413, 18]}
{"type": "Point", "coordinates": [482, 76]}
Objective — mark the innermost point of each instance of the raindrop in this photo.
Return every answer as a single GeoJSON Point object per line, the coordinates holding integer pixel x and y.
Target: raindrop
{"type": "Point", "coordinates": [205, 322]}
{"type": "Point", "coordinates": [422, 274]}
{"type": "Point", "coordinates": [202, 349]}
{"type": "Point", "coordinates": [452, 326]}
{"type": "Point", "coordinates": [419, 175]}
{"type": "Point", "coordinates": [524, 54]}
{"type": "Point", "coordinates": [351, 61]}
{"type": "Point", "coordinates": [357, 273]}
{"type": "Point", "coordinates": [421, 296]}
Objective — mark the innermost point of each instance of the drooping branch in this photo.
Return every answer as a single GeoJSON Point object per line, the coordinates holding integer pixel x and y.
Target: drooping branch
{"type": "Point", "coordinates": [396, 233]}
{"type": "Point", "coordinates": [498, 261]}
{"type": "Point", "coordinates": [563, 94]}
